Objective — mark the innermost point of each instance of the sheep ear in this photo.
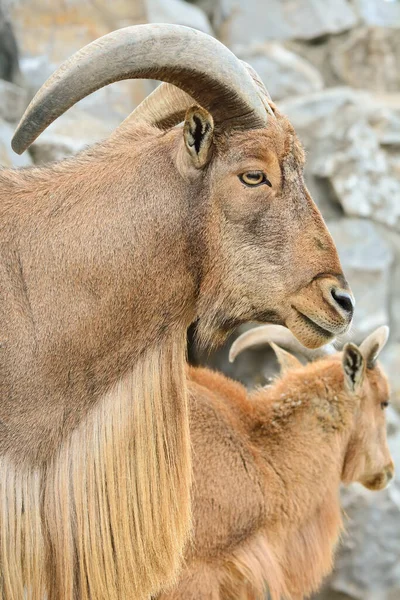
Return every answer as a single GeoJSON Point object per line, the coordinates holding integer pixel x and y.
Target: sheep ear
{"type": "Point", "coordinates": [353, 367]}
{"type": "Point", "coordinates": [198, 135]}
{"type": "Point", "coordinates": [373, 344]}
{"type": "Point", "coordinates": [286, 360]}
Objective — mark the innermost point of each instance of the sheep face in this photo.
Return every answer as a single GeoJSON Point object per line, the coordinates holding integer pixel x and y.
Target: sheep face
{"type": "Point", "coordinates": [368, 458]}
{"type": "Point", "coordinates": [268, 255]}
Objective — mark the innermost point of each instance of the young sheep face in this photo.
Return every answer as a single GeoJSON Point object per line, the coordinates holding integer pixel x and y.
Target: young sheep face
{"type": "Point", "coordinates": [270, 255]}
{"type": "Point", "coordinates": [368, 460]}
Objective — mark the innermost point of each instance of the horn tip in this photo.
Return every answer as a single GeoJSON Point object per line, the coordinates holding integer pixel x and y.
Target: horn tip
{"type": "Point", "coordinates": [17, 144]}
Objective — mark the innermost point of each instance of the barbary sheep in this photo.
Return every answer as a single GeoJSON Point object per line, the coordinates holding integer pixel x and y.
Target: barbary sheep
{"type": "Point", "coordinates": [105, 260]}
{"type": "Point", "coordinates": [268, 466]}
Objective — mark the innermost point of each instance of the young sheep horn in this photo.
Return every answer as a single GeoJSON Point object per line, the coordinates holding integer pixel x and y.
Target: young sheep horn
{"type": "Point", "coordinates": [193, 61]}
{"type": "Point", "coordinates": [371, 347]}
{"type": "Point", "coordinates": [280, 336]}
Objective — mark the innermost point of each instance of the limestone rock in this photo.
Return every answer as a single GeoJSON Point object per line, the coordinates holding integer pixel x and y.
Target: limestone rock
{"type": "Point", "coordinates": [376, 12]}
{"type": "Point", "coordinates": [393, 239]}
{"type": "Point", "coordinates": [8, 158]}
{"type": "Point", "coordinates": [9, 54]}
{"type": "Point", "coordinates": [283, 20]}
{"type": "Point", "coordinates": [13, 101]}
{"type": "Point", "coordinates": [58, 29]}
{"type": "Point", "coordinates": [363, 176]}
{"type": "Point", "coordinates": [368, 59]}
{"type": "Point", "coordinates": [50, 32]}
{"type": "Point", "coordinates": [386, 123]}
{"type": "Point", "coordinates": [179, 12]}
{"type": "Point", "coordinates": [314, 115]}
{"type": "Point", "coordinates": [283, 72]}
{"type": "Point", "coordinates": [366, 260]}
{"type": "Point", "coordinates": [69, 134]}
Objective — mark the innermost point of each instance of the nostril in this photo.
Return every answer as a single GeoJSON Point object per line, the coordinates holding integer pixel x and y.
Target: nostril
{"type": "Point", "coordinates": [344, 300]}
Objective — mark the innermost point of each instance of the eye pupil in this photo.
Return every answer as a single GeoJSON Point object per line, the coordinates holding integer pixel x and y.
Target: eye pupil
{"type": "Point", "coordinates": [384, 404]}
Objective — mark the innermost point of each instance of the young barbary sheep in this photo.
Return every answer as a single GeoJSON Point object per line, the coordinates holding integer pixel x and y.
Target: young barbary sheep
{"type": "Point", "coordinates": [105, 260]}
{"type": "Point", "coordinates": [268, 467]}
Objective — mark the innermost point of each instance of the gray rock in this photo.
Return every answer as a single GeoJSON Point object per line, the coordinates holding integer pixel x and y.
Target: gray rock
{"type": "Point", "coordinates": [69, 134]}
{"type": "Point", "coordinates": [386, 123]}
{"type": "Point", "coordinates": [283, 72]}
{"type": "Point", "coordinates": [283, 20]}
{"type": "Point", "coordinates": [361, 173]}
{"type": "Point", "coordinates": [393, 239]}
{"type": "Point", "coordinates": [9, 53]}
{"type": "Point", "coordinates": [8, 158]}
{"type": "Point", "coordinates": [366, 259]}
{"type": "Point", "coordinates": [36, 69]}
{"type": "Point", "coordinates": [368, 59]}
{"type": "Point", "coordinates": [13, 101]}
{"type": "Point", "coordinates": [178, 11]}
{"type": "Point", "coordinates": [376, 12]}
{"type": "Point", "coordinates": [314, 114]}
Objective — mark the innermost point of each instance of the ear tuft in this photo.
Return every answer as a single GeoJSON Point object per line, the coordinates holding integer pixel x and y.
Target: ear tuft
{"type": "Point", "coordinates": [198, 135]}
{"type": "Point", "coordinates": [373, 345]}
{"type": "Point", "coordinates": [353, 366]}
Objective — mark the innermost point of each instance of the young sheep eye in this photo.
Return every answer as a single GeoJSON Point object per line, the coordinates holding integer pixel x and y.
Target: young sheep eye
{"type": "Point", "coordinates": [384, 405]}
{"type": "Point", "coordinates": [254, 179]}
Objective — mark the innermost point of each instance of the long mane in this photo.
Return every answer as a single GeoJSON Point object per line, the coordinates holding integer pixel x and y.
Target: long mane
{"type": "Point", "coordinates": [87, 524]}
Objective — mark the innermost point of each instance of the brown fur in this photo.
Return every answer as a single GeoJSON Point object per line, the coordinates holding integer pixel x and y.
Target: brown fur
{"type": "Point", "coordinates": [105, 259]}
{"type": "Point", "coordinates": [267, 471]}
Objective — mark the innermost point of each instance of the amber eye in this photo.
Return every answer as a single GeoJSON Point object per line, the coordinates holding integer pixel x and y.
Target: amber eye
{"type": "Point", "coordinates": [384, 405]}
{"type": "Point", "coordinates": [254, 178]}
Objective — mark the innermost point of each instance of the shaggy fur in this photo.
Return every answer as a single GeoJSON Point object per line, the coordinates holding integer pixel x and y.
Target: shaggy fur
{"type": "Point", "coordinates": [267, 472]}
{"type": "Point", "coordinates": [79, 501]}
{"type": "Point", "coordinates": [105, 260]}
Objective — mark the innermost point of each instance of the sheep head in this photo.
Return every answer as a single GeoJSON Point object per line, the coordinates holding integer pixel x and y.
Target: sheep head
{"type": "Point", "coordinates": [360, 382]}
{"type": "Point", "coordinates": [261, 250]}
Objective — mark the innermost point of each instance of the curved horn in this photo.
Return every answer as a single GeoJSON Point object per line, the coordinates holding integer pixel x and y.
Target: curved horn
{"type": "Point", "coordinates": [193, 61]}
{"type": "Point", "coordinates": [167, 105]}
{"type": "Point", "coordinates": [371, 347]}
{"type": "Point", "coordinates": [278, 335]}
{"type": "Point", "coordinates": [164, 108]}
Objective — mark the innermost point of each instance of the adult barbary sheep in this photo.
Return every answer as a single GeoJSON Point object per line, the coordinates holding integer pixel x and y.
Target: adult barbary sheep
{"type": "Point", "coordinates": [268, 467]}
{"type": "Point", "coordinates": [105, 260]}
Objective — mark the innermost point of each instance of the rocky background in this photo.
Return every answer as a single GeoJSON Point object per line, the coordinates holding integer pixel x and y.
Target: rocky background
{"type": "Point", "coordinates": [333, 66]}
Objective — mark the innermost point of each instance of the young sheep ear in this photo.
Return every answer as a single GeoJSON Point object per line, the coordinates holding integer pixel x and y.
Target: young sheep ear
{"type": "Point", "coordinates": [372, 345]}
{"type": "Point", "coordinates": [198, 135]}
{"type": "Point", "coordinates": [287, 361]}
{"type": "Point", "coordinates": [353, 366]}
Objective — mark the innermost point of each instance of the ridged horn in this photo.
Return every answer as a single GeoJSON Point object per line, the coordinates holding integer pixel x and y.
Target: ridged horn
{"type": "Point", "coordinates": [164, 108]}
{"type": "Point", "coordinates": [167, 105]}
{"type": "Point", "coordinates": [193, 61]}
{"type": "Point", "coordinates": [279, 335]}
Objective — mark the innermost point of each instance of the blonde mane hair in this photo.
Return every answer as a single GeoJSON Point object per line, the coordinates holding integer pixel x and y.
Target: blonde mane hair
{"type": "Point", "coordinates": [113, 480]}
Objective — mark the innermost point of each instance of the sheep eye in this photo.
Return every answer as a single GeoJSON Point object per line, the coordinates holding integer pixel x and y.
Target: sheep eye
{"type": "Point", "coordinates": [254, 178]}
{"type": "Point", "coordinates": [384, 405]}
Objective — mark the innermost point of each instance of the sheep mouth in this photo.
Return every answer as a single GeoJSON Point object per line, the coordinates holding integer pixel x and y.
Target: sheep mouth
{"type": "Point", "coordinates": [315, 327]}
